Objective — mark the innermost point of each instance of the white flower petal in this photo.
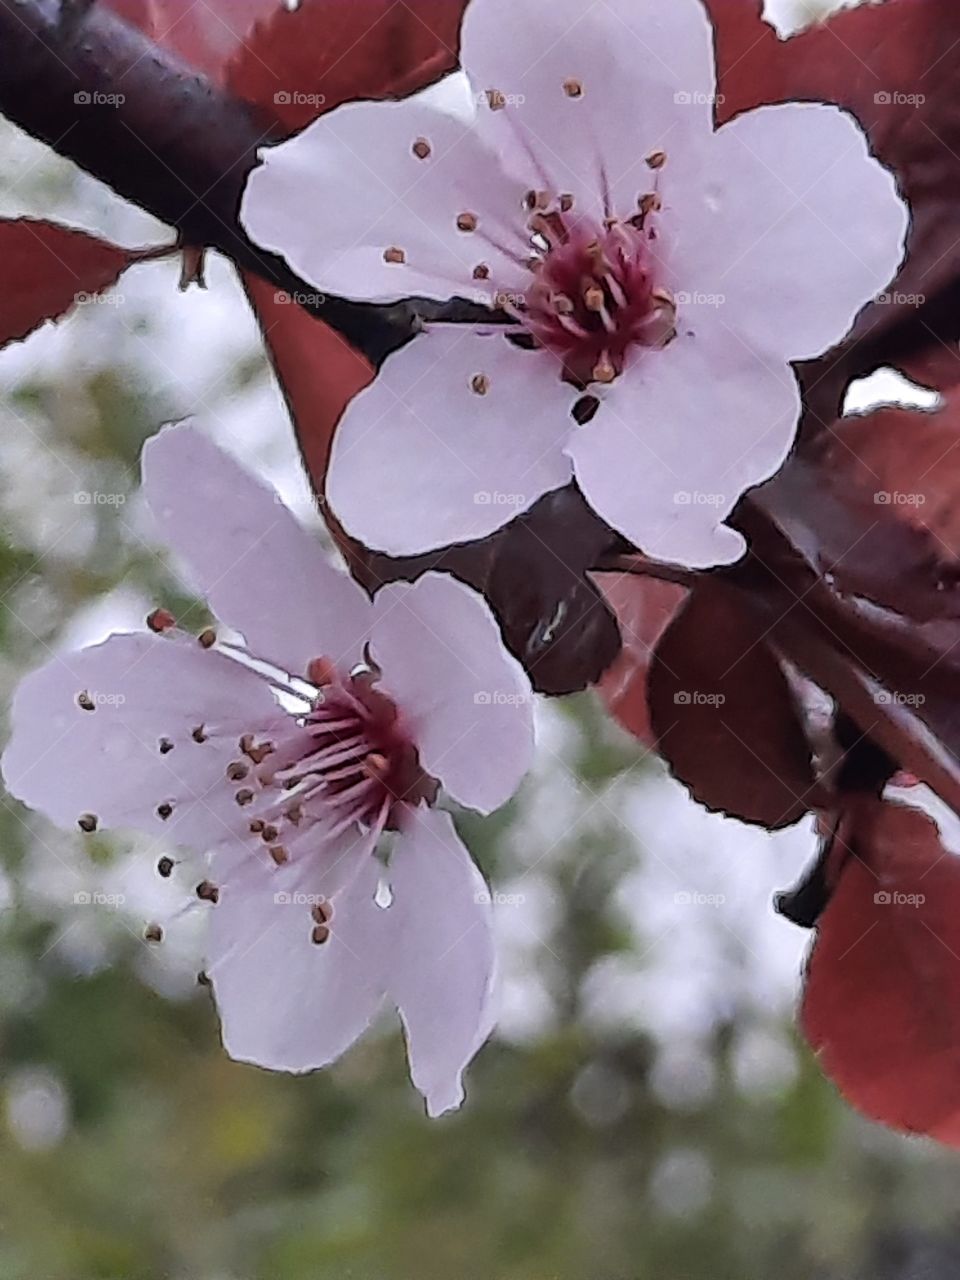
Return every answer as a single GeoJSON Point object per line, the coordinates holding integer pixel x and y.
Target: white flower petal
{"type": "Point", "coordinates": [680, 437]}
{"type": "Point", "coordinates": [285, 1002]}
{"type": "Point", "coordinates": [467, 701]}
{"type": "Point", "coordinates": [67, 761]}
{"type": "Point", "coordinates": [352, 187]}
{"type": "Point", "coordinates": [442, 970]}
{"type": "Point", "coordinates": [258, 568]}
{"type": "Point", "coordinates": [789, 225]}
{"type": "Point", "coordinates": [420, 460]}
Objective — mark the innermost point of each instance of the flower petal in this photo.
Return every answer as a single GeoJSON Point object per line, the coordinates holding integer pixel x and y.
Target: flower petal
{"type": "Point", "coordinates": [790, 222]}
{"type": "Point", "coordinates": [369, 178]}
{"type": "Point", "coordinates": [467, 702]}
{"type": "Point", "coordinates": [285, 1002]}
{"type": "Point", "coordinates": [421, 460]}
{"type": "Point", "coordinates": [442, 956]}
{"type": "Point", "coordinates": [680, 437]}
{"type": "Point", "coordinates": [593, 89]}
{"type": "Point", "coordinates": [260, 570]}
{"type": "Point", "coordinates": [113, 761]}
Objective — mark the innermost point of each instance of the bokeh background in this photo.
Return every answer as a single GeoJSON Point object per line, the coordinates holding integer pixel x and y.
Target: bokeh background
{"type": "Point", "coordinates": [645, 1110]}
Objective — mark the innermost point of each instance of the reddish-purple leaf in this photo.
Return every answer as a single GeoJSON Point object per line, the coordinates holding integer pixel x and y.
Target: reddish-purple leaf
{"type": "Point", "coordinates": [48, 269]}
{"type": "Point", "coordinates": [882, 999]}
{"type": "Point", "coordinates": [724, 715]}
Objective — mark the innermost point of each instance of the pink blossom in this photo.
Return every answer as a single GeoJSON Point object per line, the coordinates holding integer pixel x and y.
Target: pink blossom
{"type": "Point", "coordinates": [645, 260]}
{"type": "Point", "coordinates": [288, 762]}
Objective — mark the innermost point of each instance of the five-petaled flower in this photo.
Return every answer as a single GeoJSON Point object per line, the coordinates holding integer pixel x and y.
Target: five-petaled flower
{"type": "Point", "coordinates": [285, 761]}
{"type": "Point", "coordinates": [658, 275]}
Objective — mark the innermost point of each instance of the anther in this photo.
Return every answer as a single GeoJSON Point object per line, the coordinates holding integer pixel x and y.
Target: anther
{"type": "Point", "coordinates": [153, 933]}
{"type": "Point", "coordinates": [320, 934]}
{"type": "Point", "coordinates": [422, 148]}
{"type": "Point", "coordinates": [269, 834]}
{"type": "Point", "coordinates": [481, 271]}
{"type": "Point", "coordinates": [322, 912]}
{"type": "Point", "coordinates": [664, 296]}
{"type": "Point", "coordinates": [566, 203]}
{"type": "Point", "coordinates": [496, 99]}
{"type": "Point", "coordinates": [203, 979]}
{"type": "Point", "coordinates": [244, 796]}
{"type": "Point", "coordinates": [321, 672]}
{"type": "Point", "coordinates": [165, 868]}
{"type": "Point", "coordinates": [256, 826]}
{"type": "Point", "coordinates": [562, 304]}
{"type": "Point", "coordinates": [657, 159]}
{"type": "Point", "coordinates": [573, 88]}
{"type": "Point", "coordinates": [199, 734]}
{"type": "Point", "coordinates": [85, 702]}
{"type": "Point", "coordinates": [207, 639]}
{"type": "Point", "coordinates": [208, 892]}
{"type": "Point", "coordinates": [164, 810]}
{"type": "Point", "coordinates": [394, 255]}
{"type": "Point", "coordinates": [88, 822]}
{"type": "Point", "coordinates": [161, 620]}
{"type": "Point", "coordinates": [237, 770]}
{"type": "Point", "coordinates": [593, 298]}
{"type": "Point", "coordinates": [480, 384]}
{"type": "Point", "coordinates": [467, 222]}
{"type": "Point", "coordinates": [295, 814]}
{"type": "Point", "coordinates": [650, 203]}
{"type": "Point", "coordinates": [376, 765]}
{"type": "Point", "coordinates": [279, 854]}
{"type": "Point", "coordinates": [604, 370]}
{"type": "Point", "coordinates": [166, 746]}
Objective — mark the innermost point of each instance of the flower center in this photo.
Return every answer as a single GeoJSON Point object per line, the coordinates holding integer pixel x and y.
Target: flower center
{"type": "Point", "coordinates": [594, 293]}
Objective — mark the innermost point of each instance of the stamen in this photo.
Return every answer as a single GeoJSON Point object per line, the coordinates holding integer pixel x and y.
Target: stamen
{"type": "Point", "coordinates": [422, 148]}
{"type": "Point", "coordinates": [161, 620]}
{"type": "Point", "coordinates": [237, 771]}
{"type": "Point", "coordinates": [207, 639]}
{"type": "Point", "coordinates": [153, 933]}
{"type": "Point", "coordinates": [394, 255]}
{"type": "Point", "coordinates": [199, 734]}
{"type": "Point", "coordinates": [164, 810]}
{"type": "Point", "coordinates": [604, 370]}
{"type": "Point", "coordinates": [480, 384]}
{"type": "Point", "coordinates": [573, 88]}
{"type": "Point", "coordinates": [481, 271]}
{"type": "Point", "coordinates": [279, 854]}
{"type": "Point", "coordinates": [165, 868]}
{"type": "Point", "coordinates": [657, 159]}
{"type": "Point", "coordinates": [208, 892]}
{"type": "Point", "coordinates": [467, 222]}
{"type": "Point", "coordinates": [85, 702]}
{"type": "Point", "coordinates": [166, 746]}
{"type": "Point", "coordinates": [320, 934]}
{"type": "Point", "coordinates": [88, 822]}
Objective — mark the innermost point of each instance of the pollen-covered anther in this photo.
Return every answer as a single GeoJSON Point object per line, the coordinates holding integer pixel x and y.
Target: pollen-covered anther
{"type": "Point", "coordinates": [479, 384]}
{"type": "Point", "coordinates": [165, 868]}
{"type": "Point", "coordinates": [269, 834]}
{"type": "Point", "coordinates": [153, 933]}
{"type": "Point", "coordinates": [199, 734]}
{"type": "Point", "coordinates": [321, 672]}
{"type": "Point", "coordinates": [88, 822]}
{"type": "Point", "coordinates": [421, 148]}
{"type": "Point", "coordinates": [207, 639]}
{"type": "Point", "coordinates": [481, 271]}
{"type": "Point", "coordinates": [161, 620]}
{"type": "Point", "coordinates": [320, 934]}
{"type": "Point", "coordinates": [165, 746]}
{"type": "Point", "coordinates": [657, 159]}
{"type": "Point", "coordinates": [164, 810]}
{"type": "Point", "coordinates": [573, 88]}
{"type": "Point", "coordinates": [593, 298]}
{"type": "Point", "coordinates": [237, 770]}
{"type": "Point", "coordinates": [394, 255]}
{"type": "Point", "coordinates": [322, 911]}
{"type": "Point", "coordinates": [279, 854]}
{"type": "Point", "coordinates": [85, 702]}
{"type": "Point", "coordinates": [244, 796]}
{"type": "Point", "coordinates": [604, 371]}
{"type": "Point", "coordinates": [207, 891]}
{"type": "Point", "coordinates": [467, 221]}
{"type": "Point", "coordinates": [535, 201]}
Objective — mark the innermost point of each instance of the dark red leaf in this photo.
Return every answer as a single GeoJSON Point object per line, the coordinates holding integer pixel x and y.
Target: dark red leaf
{"type": "Point", "coordinates": [48, 269]}
{"type": "Point", "coordinates": [298, 64]}
{"type": "Point", "coordinates": [724, 715]}
{"type": "Point", "coordinates": [882, 999]}
{"type": "Point", "coordinates": [895, 66]}
{"type": "Point", "coordinates": [644, 608]}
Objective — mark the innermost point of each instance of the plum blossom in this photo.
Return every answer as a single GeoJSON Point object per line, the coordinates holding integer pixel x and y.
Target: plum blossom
{"type": "Point", "coordinates": [304, 766]}
{"type": "Point", "coordinates": [649, 277]}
